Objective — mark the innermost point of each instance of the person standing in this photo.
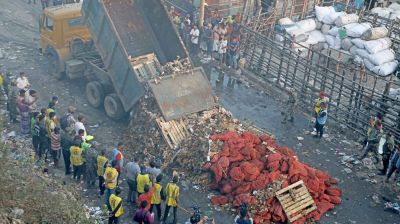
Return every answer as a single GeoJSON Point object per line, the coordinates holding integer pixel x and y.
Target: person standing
{"type": "Point", "coordinates": [79, 125]}
{"type": "Point", "coordinates": [51, 123]}
{"type": "Point", "coordinates": [90, 156]}
{"type": "Point", "coordinates": [158, 195]}
{"type": "Point", "coordinates": [116, 210]}
{"type": "Point", "coordinates": [23, 108]}
{"type": "Point", "coordinates": [208, 36]}
{"type": "Point", "coordinates": [68, 121]}
{"type": "Point", "coordinates": [142, 215]}
{"type": "Point", "coordinates": [394, 163]}
{"type": "Point", "coordinates": [22, 81]}
{"type": "Point", "coordinates": [146, 196]}
{"type": "Point", "coordinates": [76, 159]}
{"type": "Point", "coordinates": [321, 99]}
{"type": "Point", "coordinates": [110, 181]}
{"type": "Point", "coordinates": [233, 48]}
{"type": "Point", "coordinates": [66, 143]}
{"type": "Point", "coordinates": [172, 199]}
{"type": "Point", "coordinates": [153, 171]}
{"type": "Point", "coordinates": [80, 136]}
{"type": "Point", "coordinates": [373, 140]}
{"type": "Point", "coordinates": [387, 152]}
{"type": "Point", "coordinates": [141, 180]}
{"type": "Point", "coordinates": [35, 130]}
{"type": "Point", "coordinates": [44, 141]}
{"type": "Point", "coordinates": [321, 120]}
{"type": "Point", "coordinates": [222, 45]}
{"type": "Point", "coordinates": [290, 105]}
{"type": "Point", "coordinates": [194, 38]}
{"type": "Point", "coordinates": [118, 157]}
{"type": "Point", "coordinates": [12, 102]}
{"type": "Point", "coordinates": [132, 170]}
{"type": "Point", "coordinates": [102, 163]}
{"type": "Point", "coordinates": [31, 100]}
{"type": "Point", "coordinates": [55, 138]}
{"type": "Point", "coordinates": [52, 105]}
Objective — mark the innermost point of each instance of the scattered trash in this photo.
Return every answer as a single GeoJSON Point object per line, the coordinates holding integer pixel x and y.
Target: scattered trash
{"type": "Point", "coordinates": [300, 138]}
{"type": "Point", "coordinates": [347, 170]}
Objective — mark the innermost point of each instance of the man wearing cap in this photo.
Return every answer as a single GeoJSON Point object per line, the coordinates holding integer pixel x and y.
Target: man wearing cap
{"type": "Point", "coordinates": [118, 157]}
{"type": "Point", "coordinates": [373, 140]}
{"type": "Point", "coordinates": [291, 103]}
{"type": "Point", "coordinates": [321, 119]}
{"type": "Point", "coordinates": [90, 156]}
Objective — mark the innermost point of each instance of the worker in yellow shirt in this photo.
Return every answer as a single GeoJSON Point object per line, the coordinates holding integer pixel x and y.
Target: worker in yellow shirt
{"type": "Point", "coordinates": [76, 159]}
{"type": "Point", "coordinates": [172, 198]}
{"type": "Point", "coordinates": [142, 179]}
{"type": "Point", "coordinates": [321, 99]}
{"type": "Point", "coordinates": [102, 163]}
{"type": "Point", "coordinates": [110, 181]}
{"type": "Point", "coordinates": [116, 207]}
{"type": "Point", "coordinates": [158, 195]}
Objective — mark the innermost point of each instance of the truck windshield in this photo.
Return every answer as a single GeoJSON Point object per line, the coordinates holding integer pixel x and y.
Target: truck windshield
{"type": "Point", "coordinates": [76, 22]}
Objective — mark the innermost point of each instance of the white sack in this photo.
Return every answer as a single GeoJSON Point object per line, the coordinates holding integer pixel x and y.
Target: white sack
{"type": "Point", "coordinates": [331, 17]}
{"type": "Point", "coordinates": [318, 46]}
{"type": "Point", "coordinates": [346, 19]}
{"type": "Point", "coordinates": [337, 43]}
{"type": "Point", "coordinates": [307, 25]}
{"type": "Point", "coordinates": [358, 60]}
{"type": "Point", "coordinates": [293, 30]}
{"type": "Point", "coordinates": [358, 42]}
{"type": "Point", "coordinates": [319, 25]}
{"type": "Point", "coordinates": [334, 31]}
{"type": "Point", "coordinates": [374, 46]}
{"type": "Point", "coordinates": [353, 50]}
{"type": "Point", "coordinates": [394, 6]}
{"type": "Point", "coordinates": [386, 69]}
{"type": "Point", "coordinates": [315, 37]}
{"type": "Point", "coordinates": [330, 40]}
{"type": "Point", "coordinates": [375, 33]}
{"type": "Point", "coordinates": [362, 53]}
{"type": "Point", "coordinates": [285, 21]}
{"type": "Point", "coordinates": [382, 12]}
{"type": "Point", "coordinates": [395, 15]}
{"type": "Point", "coordinates": [346, 44]}
{"type": "Point", "coordinates": [326, 28]}
{"type": "Point", "coordinates": [321, 12]}
{"type": "Point", "coordinates": [369, 65]}
{"type": "Point", "coordinates": [279, 37]}
{"type": "Point", "coordinates": [358, 29]}
{"type": "Point", "coordinates": [382, 57]}
{"type": "Point", "coordinates": [300, 38]}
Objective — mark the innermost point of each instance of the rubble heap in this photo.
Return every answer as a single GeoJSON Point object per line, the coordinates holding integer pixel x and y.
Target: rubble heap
{"type": "Point", "coordinates": [251, 168]}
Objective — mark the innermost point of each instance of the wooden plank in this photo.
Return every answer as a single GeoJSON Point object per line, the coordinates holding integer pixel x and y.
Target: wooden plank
{"type": "Point", "coordinates": [302, 214]}
{"type": "Point", "coordinates": [298, 204]}
{"type": "Point", "coordinates": [296, 193]}
{"type": "Point", "coordinates": [300, 208]}
{"type": "Point", "coordinates": [160, 125]}
{"type": "Point", "coordinates": [178, 129]}
{"type": "Point", "coordinates": [289, 187]}
{"type": "Point", "coordinates": [288, 201]}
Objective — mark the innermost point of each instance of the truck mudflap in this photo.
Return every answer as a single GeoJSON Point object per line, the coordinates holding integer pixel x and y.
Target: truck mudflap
{"type": "Point", "coordinates": [182, 94]}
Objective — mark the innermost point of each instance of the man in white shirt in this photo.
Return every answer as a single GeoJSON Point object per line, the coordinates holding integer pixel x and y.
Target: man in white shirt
{"type": "Point", "coordinates": [194, 37]}
{"type": "Point", "coordinates": [79, 125]}
{"type": "Point", "coordinates": [31, 100]}
{"type": "Point", "coordinates": [22, 81]}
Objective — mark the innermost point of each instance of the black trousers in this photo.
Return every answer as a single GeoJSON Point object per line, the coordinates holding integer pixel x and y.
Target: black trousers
{"type": "Point", "coordinates": [113, 220]}
{"type": "Point", "coordinates": [36, 144]}
{"type": "Point", "coordinates": [67, 161]}
{"type": "Point", "coordinates": [320, 129]}
{"type": "Point", "coordinates": [385, 163]}
{"type": "Point", "coordinates": [77, 172]}
{"type": "Point", "coordinates": [102, 187]}
{"type": "Point", "coordinates": [158, 207]}
{"type": "Point", "coordinates": [175, 209]}
{"type": "Point", "coordinates": [391, 171]}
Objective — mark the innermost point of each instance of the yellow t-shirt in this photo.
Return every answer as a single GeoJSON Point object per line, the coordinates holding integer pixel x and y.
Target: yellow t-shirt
{"type": "Point", "coordinates": [172, 192]}
{"type": "Point", "coordinates": [142, 179]}
{"type": "Point", "coordinates": [114, 201]}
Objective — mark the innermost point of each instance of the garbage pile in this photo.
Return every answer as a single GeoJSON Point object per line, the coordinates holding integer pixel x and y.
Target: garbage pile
{"type": "Point", "coordinates": [370, 46]}
{"type": "Point", "coordinates": [390, 12]}
{"type": "Point", "coordinates": [251, 168]}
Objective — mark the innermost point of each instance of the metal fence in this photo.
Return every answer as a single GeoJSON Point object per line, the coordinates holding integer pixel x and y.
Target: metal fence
{"type": "Point", "coordinates": [354, 93]}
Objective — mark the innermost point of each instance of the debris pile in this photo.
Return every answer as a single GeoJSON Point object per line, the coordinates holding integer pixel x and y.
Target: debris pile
{"type": "Point", "coordinates": [250, 169]}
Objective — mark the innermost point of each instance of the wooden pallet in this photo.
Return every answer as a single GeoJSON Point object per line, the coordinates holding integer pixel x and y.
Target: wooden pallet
{"type": "Point", "coordinates": [296, 201]}
{"type": "Point", "coordinates": [173, 131]}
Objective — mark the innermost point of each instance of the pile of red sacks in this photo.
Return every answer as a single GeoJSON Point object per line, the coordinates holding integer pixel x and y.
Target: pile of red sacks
{"type": "Point", "coordinates": [245, 165]}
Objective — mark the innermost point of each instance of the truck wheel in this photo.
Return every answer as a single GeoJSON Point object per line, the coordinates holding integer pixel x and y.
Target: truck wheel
{"type": "Point", "coordinates": [113, 107]}
{"type": "Point", "coordinates": [95, 93]}
{"type": "Point", "coordinates": [54, 65]}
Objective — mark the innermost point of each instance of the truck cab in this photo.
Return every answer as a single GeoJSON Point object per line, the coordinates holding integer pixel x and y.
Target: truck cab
{"type": "Point", "coordinates": [59, 26]}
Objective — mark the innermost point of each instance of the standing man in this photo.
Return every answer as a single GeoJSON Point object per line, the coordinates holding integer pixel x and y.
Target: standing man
{"type": "Point", "coordinates": [321, 99]}
{"type": "Point", "coordinates": [55, 139]}
{"type": "Point", "coordinates": [76, 160]}
{"type": "Point", "coordinates": [90, 156]}
{"type": "Point", "coordinates": [222, 45]}
{"type": "Point", "coordinates": [153, 171]}
{"type": "Point", "coordinates": [387, 152]}
{"type": "Point", "coordinates": [146, 196]}
{"type": "Point", "coordinates": [67, 122]}
{"type": "Point", "coordinates": [172, 198]}
{"type": "Point", "coordinates": [373, 140]}
{"type": "Point", "coordinates": [158, 195]}
{"type": "Point", "coordinates": [141, 180]}
{"type": "Point", "coordinates": [194, 38]}
{"type": "Point", "coordinates": [79, 125]}
{"type": "Point", "coordinates": [22, 81]}
{"type": "Point", "coordinates": [35, 130]}
{"type": "Point", "coordinates": [102, 163]}
{"type": "Point", "coordinates": [394, 163]}
{"type": "Point", "coordinates": [31, 100]}
{"type": "Point", "coordinates": [110, 181]}
{"type": "Point", "coordinates": [66, 143]}
{"type": "Point", "coordinates": [118, 157]}
{"type": "Point", "coordinates": [12, 102]}
{"type": "Point", "coordinates": [116, 207]}
{"type": "Point", "coordinates": [233, 48]}
{"type": "Point", "coordinates": [142, 215]}
{"type": "Point", "coordinates": [132, 170]}
{"type": "Point", "coordinates": [44, 141]}
{"type": "Point", "coordinates": [290, 104]}
{"type": "Point", "coordinates": [321, 120]}
{"type": "Point", "coordinates": [208, 36]}
{"type": "Point", "coordinates": [23, 108]}
{"type": "Point", "coordinates": [51, 123]}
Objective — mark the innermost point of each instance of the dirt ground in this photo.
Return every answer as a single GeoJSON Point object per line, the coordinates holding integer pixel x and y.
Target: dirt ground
{"type": "Point", "coordinates": [19, 52]}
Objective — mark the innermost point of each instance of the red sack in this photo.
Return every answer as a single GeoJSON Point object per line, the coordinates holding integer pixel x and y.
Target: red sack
{"type": "Point", "coordinates": [249, 168]}
{"type": "Point", "coordinates": [261, 182]}
{"type": "Point", "coordinates": [244, 188]}
{"type": "Point", "coordinates": [261, 149]}
{"type": "Point", "coordinates": [223, 162]}
{"type": "Point", "coordinates": [219, 200]}
{"type": "Point", "coordinates": [324, 206]}
{"type": "Point", "coordinates": [259, 164]}
{"type": "Point", "coordinates": [335, 200]}
{"type": "Point", "coordinates": [333, 191]}
{"type": "Point", "coordinates": [236, 174]}
{"type": "Point", "coordinates": [226, 189]}
{"type": "Point", "coordinates": [278, 215]}
{"type": "Point", "coordinates": [324, 198]}
{"type": "Point", "coordinates": [285, 151]}
{"type": "Point", "coordinates": [274, 157]}
{"type": "Point", "coordinates": [297, 168]}
{"type": "Point", "coordinates": [236, 158]}
{"type": "Point", "coordinates": [284, 167]}
{"type": "Point", "coordinates": [321, 175]}
{"type": "Point", "coordinates": [243, 198]}
{"type": "Point", "coordinates": [217, 170]}
{"type": "Point", "coordinates": [273, 166]}
{"type": "Point", "coordinates": [333, 181]}
{"type": "Point", "coordinates": [284, 184]}
{"type": "Point", "coordinates": [225, 136]}
{"type": "Point", "coordinates": [310, 172]}
{"type": "Point", "coordinates": [274, 176]}
{"type": "Point", "coordinates": [254, 154]}
{"type": "Point", "coordinates": [312, 185]}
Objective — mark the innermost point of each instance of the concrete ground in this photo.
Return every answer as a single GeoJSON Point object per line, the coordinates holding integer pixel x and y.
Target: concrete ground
{"type": "Point", "coordinates": [361, 199]}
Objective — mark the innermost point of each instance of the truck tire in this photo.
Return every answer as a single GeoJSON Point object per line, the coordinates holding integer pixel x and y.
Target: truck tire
{"type": "Point", "coordinates": [113, 107]}
{"type": "Point", "coordinates": [54, 68]}
{"type": "Point", "coordinates": [95, 93]}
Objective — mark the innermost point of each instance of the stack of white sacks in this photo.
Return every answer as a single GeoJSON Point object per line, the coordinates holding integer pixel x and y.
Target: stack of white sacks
{"type": "Point", "coordinates": [341, 31]}
{"type": "Point", "coordinates": [390, 12]}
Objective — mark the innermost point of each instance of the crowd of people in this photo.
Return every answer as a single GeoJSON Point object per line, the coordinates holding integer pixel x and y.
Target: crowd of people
{"type": "Point", "coordinates": [46, 3]}
{"type": "Point", "coordinates": [217, 38]}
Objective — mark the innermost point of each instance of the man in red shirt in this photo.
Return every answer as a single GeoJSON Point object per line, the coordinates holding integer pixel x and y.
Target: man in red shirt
{"type": "Point", "coordinates": [146, 196]}
{"type": "Point", "coordinates": [119, 157]}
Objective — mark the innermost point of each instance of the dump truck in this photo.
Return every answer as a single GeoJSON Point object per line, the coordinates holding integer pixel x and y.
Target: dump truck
{"type": "Point", "coordinates": [114, 45]}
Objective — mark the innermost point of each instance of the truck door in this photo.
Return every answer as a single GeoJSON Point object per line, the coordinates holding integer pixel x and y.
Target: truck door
{"type": "Point", "coordinates": [48, 36]}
